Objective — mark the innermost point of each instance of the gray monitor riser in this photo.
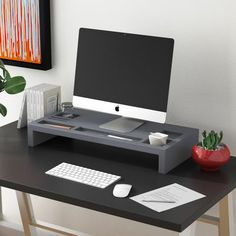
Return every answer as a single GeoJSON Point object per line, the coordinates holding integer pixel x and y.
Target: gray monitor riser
{"type": "Point", "coordinates": [88, 127]}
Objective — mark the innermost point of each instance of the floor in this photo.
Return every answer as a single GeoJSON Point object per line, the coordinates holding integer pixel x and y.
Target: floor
{"type": "Point", "coordinates": [201, 229]}
{"type": "Point", "coordinates": [9, 232]}
{"type": "Point", "coordinates": [5, 231]}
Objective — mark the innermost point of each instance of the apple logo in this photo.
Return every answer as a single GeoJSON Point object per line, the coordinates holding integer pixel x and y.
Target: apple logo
{"type": "Point", "coordinates": [117, 108]}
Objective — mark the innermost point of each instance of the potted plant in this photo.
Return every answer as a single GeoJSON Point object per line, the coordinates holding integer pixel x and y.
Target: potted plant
{"type": "Point", "coordinates": [11, 85]}
{"type": "Point", "coordinates": [211, 154]}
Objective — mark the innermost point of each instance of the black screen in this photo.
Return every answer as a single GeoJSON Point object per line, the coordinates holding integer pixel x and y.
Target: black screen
{"type": "Point", "coordinates": [124, 68]}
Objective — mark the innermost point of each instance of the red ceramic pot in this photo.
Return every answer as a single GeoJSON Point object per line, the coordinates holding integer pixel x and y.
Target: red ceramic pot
{"type": "Point", "coordinates": [210, 160]}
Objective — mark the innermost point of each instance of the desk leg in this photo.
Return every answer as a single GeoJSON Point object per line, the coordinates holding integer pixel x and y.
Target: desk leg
{"type": "Point", "coordinates": [29, 222]}
{"type": "Point", "coordinates": [223, 220]}
{"type": "Point", "coordinates": [224, 217]}
{"type": "Point", "coordinates": [1, 214]}
{"type": "Point", "coordinates": [190, 231]}
{"type": "Point", "coordinates": [25, 211]}
{"type": "Point", "coordinates": [232, 216]}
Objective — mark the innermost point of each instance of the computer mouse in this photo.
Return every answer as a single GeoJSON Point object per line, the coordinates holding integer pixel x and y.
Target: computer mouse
{"type": "Point", "coordinates": [122, 190]}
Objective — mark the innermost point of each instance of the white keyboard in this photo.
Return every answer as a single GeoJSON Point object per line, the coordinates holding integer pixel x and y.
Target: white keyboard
{"type": "Point", "coordinates": [83, 175]}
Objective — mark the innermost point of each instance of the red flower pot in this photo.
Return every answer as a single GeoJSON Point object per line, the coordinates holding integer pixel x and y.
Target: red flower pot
{"type": "Point", "coordinates": [210, 160]}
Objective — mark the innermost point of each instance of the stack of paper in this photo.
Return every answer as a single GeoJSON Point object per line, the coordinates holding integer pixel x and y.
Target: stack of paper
{"type": "Point", "coordinates": [167, 197]}
{"type": "Point", "coordinates": [38, 101]}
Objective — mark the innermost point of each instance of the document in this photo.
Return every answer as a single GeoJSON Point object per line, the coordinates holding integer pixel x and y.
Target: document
{"type": "Point", "coordinates": [167, 197]}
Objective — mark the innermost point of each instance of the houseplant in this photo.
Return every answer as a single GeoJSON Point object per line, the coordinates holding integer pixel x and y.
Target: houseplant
{"type": "Point", "coordinates": [11, 85]}
{"type": "Point", "coordinates": [211, 154]}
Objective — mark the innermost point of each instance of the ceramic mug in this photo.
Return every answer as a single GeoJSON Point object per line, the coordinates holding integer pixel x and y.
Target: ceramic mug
{"type": "Point", "coordinates": [158, 138]}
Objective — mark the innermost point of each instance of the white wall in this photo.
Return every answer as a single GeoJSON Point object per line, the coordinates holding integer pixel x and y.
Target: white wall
{"type": "Point", "coordinates": [203, 85]}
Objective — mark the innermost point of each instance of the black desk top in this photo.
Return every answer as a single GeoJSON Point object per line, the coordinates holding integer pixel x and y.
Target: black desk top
{"type": "Point", "coordinates": [23, 169]}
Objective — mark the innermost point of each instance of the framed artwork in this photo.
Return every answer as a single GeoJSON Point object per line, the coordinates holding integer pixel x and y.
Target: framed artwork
{"type": "Point", "coordinates": [25, 36]}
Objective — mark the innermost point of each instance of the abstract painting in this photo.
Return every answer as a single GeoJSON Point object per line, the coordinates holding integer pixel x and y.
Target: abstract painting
{"type": "Point", "coordinates": [25, 33]}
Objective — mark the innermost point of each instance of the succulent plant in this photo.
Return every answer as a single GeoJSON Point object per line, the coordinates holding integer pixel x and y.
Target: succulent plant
{"type": "Point", "coordinates": [211, 140]}
{"type": "Point", "coordinates": [11, 85]}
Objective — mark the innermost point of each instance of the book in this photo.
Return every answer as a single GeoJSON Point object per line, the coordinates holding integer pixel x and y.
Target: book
{"type": "Point", "coordinates": [38, 101]}
{"type": "Point", "coordinates": [32, 106]}
{"type": "Point", "coordinates": [22, 121]}
{"type": "Point", "coordinates": [49, 99]}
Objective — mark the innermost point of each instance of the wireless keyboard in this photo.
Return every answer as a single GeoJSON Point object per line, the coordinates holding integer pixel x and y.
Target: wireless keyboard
{"type": "Point", "coordinates": [83, 175]}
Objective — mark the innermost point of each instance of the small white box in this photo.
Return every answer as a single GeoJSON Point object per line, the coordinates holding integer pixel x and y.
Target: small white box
{"type": "Point", "coordinates": [158, 138]}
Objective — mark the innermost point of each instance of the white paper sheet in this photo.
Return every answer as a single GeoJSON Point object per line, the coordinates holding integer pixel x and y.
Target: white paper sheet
{"type": "Point", "coordinates": [173, 192]}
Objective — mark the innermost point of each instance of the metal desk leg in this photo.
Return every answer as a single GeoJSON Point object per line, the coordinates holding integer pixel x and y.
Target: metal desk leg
{"type": "Point", "coordinates": [190, 231]}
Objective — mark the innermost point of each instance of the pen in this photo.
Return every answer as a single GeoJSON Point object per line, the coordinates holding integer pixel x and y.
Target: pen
{"type": "Point", "coordinates": [59, 126]}
{"type": "Point", "coordinates": [118, 137]}
{"type": "Point", "coordinates": [159, 201]}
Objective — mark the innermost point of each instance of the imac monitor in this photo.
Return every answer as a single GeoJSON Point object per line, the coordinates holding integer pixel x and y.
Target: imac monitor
{"type": "Point", "coordinates": [123, 74]}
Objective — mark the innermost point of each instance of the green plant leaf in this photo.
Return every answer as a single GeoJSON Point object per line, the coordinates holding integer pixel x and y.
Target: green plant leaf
{"type": "Point", "coordinates": [208, 142]}
{"type": "Point", "coordinates": [204, 134]}
{"type": "Point", "coordinates": [3, 110]}
{"type": "Point", "coordinates": [1, 63]}
{"type": "Point", "coordinates": [204, 143]}
{"type": "Point", "coordinates": [15, 85]}
{"type": "Point", "coordinates": [213, 140]}
{"type": "Point", "coordinates": [204, 140]}
{"type": "Point", "coordinates": [6, 73]}
{"type": "Point", "coordinates": [221, 136]}
{"type": "Point", "coordinates": [216, 141]}
{"type": "Point", "coordinates": [2, 84]}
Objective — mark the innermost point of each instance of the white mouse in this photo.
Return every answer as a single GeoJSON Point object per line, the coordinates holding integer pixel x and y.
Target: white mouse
{"type": "Point", "coordinates": [122, 190]}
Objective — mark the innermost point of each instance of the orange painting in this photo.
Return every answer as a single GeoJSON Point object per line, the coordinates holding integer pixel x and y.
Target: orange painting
{"type": "Point", "coordinates": [20, 30]}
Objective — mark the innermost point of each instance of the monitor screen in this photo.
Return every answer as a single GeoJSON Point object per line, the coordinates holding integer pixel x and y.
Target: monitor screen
{"type": "Point", "coordinates": [124, 69]}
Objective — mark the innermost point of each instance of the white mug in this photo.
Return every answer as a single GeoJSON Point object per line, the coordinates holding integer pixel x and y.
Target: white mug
{"type": "Point", "coordinates": [158, 138]}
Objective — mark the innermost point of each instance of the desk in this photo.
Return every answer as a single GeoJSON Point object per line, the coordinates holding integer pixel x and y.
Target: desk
{"type": "Point", "coordinates": [22, 168]}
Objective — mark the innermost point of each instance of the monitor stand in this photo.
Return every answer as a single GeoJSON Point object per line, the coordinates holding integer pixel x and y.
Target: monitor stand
{"type": "Point", "coordinates": [122, 125]}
